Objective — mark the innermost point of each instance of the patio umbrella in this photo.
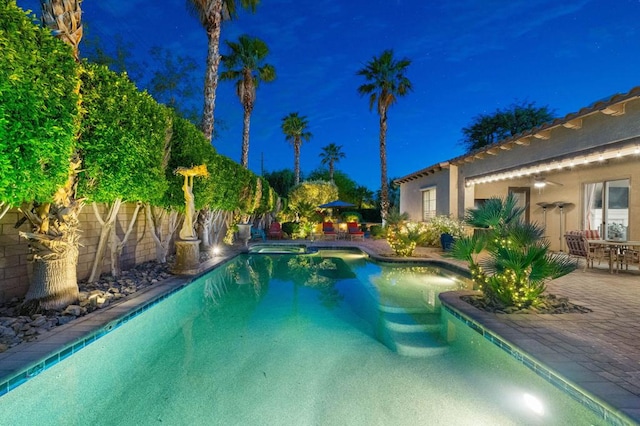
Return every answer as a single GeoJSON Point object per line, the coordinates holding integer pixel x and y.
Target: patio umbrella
{"type": "Point", "coordinates": [336, 204]}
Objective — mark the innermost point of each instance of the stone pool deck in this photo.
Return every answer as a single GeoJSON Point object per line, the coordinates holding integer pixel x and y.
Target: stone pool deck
{"type": "Point", "coordinates": [598, 352]}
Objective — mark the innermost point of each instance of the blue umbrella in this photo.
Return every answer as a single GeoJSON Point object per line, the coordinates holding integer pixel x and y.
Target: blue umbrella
{"type": "Point", "coordinates": [336, 203]}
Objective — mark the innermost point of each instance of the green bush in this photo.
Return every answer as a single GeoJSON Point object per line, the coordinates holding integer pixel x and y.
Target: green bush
{"type": "Point", "coordinates": [516, 263]}
{"type": "Point", "coordinates": [38, 109]}
{"type": "Point", "coordinates": [441, 225]}
{"type": "Point", "coordinates": [377, 231]}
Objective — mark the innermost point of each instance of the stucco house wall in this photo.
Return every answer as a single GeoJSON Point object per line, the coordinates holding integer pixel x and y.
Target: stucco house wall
{"type": "Point", "coordinates": [411, 194]}
{"type": "Point", "coordinates": [566, 151]}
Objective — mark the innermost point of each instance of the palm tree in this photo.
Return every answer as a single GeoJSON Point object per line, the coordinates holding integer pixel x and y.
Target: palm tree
{"type": "Point", "coordinates": [386, 81]}
{"type": "Point", "coordinates": [245, 65]}
{"type": "Point", "coordinates": [64, 18]}
{"type": "Point", "coordinates": [211, 13]}
{"type": "Point", "coordinates": [294, 126]}
{"type": "Point", "coordinates": [54, 236]}
{"type": "Point", "coordinates": [330, 155]}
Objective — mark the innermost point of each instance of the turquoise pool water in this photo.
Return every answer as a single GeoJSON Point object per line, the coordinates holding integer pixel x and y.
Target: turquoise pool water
{"type": "Point", "coordinates": [321, 339]}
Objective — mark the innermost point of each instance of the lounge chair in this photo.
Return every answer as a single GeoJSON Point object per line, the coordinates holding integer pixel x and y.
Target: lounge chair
{"type": "Point", "coordinates": [275, 231]}
{"type": "Point", "coordinates": [328, 230]}
{"type": "Point", "coordinates": [354, 231]}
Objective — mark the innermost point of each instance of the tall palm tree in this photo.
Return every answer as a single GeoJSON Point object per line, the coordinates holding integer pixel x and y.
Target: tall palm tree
{"type": "Point", "coordinates": [211, 13]}
{"type": "Point", "coordinates": [386, 81]}
{"type": "Point", "coordinates": [330, 155]}
{"type": "Point", "coordinates": [54, 236]}
{"type": "Point", "coordinates": [64, 18]}
{"type": "Point", "coordinates": [245, 64]}
{"type": "Point", "coordinates": [294, 127]}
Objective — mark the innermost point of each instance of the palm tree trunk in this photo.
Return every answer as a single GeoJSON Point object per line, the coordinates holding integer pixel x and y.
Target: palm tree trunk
{"type": "Point", "coordinates": [296, 159]}
{"type": "Point", "coordinates": [384, 189]}
{"type": "Point", "coordinates": [211, 72]}
{"type": "Point", "coordinates": [245, 137]}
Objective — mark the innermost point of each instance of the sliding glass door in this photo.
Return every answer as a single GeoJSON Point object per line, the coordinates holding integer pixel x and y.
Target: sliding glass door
{"type": "Point", "coordinates": [606, 208]}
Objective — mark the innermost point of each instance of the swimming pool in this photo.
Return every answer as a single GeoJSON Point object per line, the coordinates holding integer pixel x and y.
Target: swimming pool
{"type": "Point", "coordinates": [293, 339]}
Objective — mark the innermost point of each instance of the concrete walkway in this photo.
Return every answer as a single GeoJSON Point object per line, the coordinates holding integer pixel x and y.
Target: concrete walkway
{"type": "Point", "coordinates": [599, 352]}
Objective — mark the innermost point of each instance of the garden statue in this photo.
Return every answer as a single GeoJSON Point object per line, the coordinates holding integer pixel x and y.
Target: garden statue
{"type": "Point", "coordinates": [188, 245]}
{"type": "Point", "coordinates": [188, 231]}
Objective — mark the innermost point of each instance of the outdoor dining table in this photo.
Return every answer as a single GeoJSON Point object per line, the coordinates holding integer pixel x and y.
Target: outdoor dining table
{"type": "Point", "coordinates": [617, 245]}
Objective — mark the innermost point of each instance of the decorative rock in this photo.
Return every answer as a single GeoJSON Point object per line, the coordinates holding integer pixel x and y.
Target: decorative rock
{"type": "Point", "coordinates": [73, 310]}
{"type": "Point", "coordinates": [7, 331]}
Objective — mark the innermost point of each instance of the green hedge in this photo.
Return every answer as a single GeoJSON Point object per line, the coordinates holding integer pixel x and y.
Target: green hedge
{"type": "Point", "coordinates": [38, 108]}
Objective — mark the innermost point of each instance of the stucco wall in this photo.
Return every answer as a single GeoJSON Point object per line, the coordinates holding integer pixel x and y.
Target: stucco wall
{"type": "Point", "coordinates": [571, 191]}
{"type": "Point", "coordinates": [14, 250]}
{"type": "Point", "coordinates": [411, 194]}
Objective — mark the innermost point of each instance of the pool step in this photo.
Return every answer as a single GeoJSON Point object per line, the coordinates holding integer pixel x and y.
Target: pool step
{"type": "Point", "coordinates": [411, 331]}
{"type": "Point", "coordinates": [418, 344]}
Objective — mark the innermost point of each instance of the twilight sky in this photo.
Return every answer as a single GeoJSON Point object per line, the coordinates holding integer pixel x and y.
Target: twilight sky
{"type": "Point", "coordinates": [468, 57]}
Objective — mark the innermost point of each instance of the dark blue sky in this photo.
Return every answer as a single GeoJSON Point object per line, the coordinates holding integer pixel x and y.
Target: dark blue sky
{"type": "Point", "coordinates": [468, 57]}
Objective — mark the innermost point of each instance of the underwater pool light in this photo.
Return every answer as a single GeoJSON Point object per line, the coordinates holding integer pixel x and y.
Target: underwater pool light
{"type": "Point", "coordinates": [533, 403]}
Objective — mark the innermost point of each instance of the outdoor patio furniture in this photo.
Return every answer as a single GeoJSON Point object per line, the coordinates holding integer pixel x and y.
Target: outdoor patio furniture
{"type": "Point", "coordinates": [354, 231]}
{"type": "Point", "coordinates": [275, 231]}
{"type": "Point", "coordinates": [578, 247]}
{"type": "Point", "coordinates": [257, 233]}
{"type": "Point", "coordinates": [328, 230]}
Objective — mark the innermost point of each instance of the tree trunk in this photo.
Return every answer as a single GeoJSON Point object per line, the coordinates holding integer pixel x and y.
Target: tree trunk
{"type": "Point", "coordinates": [211, 73]}
{"type": "Point", "coordinates": [245, 137]}
{"type": "Point", "coordinates": [49, 287]}
{"type": "Point", "coordinates": [384, 188]}
{"type": "Point", "coordinates": [296, 159]}
{"type": "Point", "coordinates": [117, 244]}
{"type": "Point", "coordinates": [4, 208]}
{"type": "Point", "coordinates": [106, 227]}
{"type": "Point", "coordinates": [154, 222]}
{"type": "Point", "coordinates": [205, 222]}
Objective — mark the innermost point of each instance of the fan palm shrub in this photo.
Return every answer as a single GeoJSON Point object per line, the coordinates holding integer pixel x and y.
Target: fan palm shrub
{"type": "Point", "coordinates": [510, 262]}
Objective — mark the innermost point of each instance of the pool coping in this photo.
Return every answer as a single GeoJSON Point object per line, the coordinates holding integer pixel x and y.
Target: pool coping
{"type": "Point", "coordinates": [25, 361]}
{"type": "Point", "coordinates": [480, 321]}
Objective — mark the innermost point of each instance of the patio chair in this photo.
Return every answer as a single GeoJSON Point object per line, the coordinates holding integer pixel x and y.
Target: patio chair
{"type": "Point", "coordinates": [629, 256]}
{"type": "Point", "coordinates": [578, 247]}
{"type": "Point", "coordinates": [257, 233]}
{"type": "Point", "coordinates": [275, 231]}
{"type": "Point", "coordinates": [328, 230]}
{"type": "Point", "coordinates": [354, 231]}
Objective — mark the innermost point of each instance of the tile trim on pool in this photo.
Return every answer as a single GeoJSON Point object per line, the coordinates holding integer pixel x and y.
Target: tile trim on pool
{"type": "Point", "coordinates": [611, 416]}
{"type": "Point", "coordinates": [13, 381]}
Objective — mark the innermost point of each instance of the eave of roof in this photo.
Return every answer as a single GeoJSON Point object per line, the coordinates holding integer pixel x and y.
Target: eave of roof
{"type": "Point", "coordinates": [424, 172]}
{"type": "Point", "coordinates": [615, 105]}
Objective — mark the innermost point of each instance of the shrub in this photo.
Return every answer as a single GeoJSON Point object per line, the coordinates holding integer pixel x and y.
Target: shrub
{"type": "Point", "coordinates": [517, 265]}
{"type": "Point", "coordinates": [442, 225]}
{"type": "Point", "coordinates": [377, 231]}
{"type": "Point", "coordinates": [403, 236]}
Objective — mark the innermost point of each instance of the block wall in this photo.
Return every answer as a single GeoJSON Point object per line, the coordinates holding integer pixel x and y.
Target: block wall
{"type": "Point", "coordinates": [14, 250]}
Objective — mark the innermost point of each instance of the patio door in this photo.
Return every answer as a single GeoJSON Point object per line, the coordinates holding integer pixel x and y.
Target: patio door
{"type": "Point", "coordinates": [606, 208]}
{"type": "Point", "coordinates": [522, 195]}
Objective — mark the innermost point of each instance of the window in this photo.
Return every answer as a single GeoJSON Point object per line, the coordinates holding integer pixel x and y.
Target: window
{"type": "Point", "coordinates": [606, 208]}
{"type": "Point", "coordinates": [428, 203]}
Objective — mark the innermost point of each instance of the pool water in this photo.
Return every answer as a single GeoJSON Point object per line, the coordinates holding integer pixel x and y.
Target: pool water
{"type": "Point", "coordinates": [293, 340]}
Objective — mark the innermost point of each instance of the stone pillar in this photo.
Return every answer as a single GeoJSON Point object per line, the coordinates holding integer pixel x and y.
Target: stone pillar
{"type": "Point", "coordinates": [187, 258]}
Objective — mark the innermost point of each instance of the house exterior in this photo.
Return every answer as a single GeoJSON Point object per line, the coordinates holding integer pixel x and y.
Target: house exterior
{"type": "Point", "coordinates": [574, 173]}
